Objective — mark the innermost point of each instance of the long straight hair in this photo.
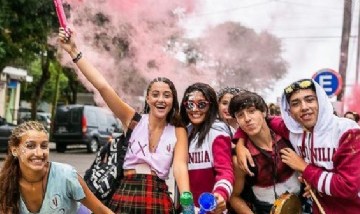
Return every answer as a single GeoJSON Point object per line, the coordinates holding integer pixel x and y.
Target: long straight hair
{"type": "Point", "coordinates": [211, 115]}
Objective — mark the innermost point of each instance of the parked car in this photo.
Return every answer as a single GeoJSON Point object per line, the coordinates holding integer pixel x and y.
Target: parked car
{"type": "Point", "coordinates": [42, 117]}
{"type": "Point", "coordinates": [83, 125]}
{"type": "Point", "coordinates": [5, 132]}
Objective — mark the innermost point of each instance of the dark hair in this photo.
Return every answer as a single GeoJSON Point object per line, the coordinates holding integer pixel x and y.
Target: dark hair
{"type": "Point", "coordinates": [211, 114]}
{"type": "Point", "coordinates": [10, 172]}
{"type": "Point", "coordinates": [227, 90]}
{"type": "Point", "coordinates": [297, 85]}
{"type": "Point", "coordinates": [274, 109]}
{"type": "Point", "coordinates": [245, 100]}
{"type": "Point", "coordinates": [173, 116]}
{"type": "Point", "coordinates": [354, 114]}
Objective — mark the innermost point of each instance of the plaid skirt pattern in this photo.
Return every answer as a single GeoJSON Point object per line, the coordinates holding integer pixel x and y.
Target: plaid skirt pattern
{"type": "Point", "coordinates": [142, 194]}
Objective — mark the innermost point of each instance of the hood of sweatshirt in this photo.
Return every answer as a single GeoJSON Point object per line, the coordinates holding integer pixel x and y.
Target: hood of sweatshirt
{"type": "Point", "coordinates": [325, 115]}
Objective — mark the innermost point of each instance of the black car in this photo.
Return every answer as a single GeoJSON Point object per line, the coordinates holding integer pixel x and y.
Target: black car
{"type": "Point", "coordinates": [83, 125]}
{"type": "Point", "coordinates": [5, 132]}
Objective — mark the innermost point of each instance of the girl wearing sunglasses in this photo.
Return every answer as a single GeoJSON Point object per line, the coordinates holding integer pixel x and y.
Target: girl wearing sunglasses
{"type": "Point", "coordinates": [210, 165]}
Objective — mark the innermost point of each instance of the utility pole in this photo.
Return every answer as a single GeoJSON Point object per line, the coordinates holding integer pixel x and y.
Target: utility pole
{"type": "Point", "coordinates": [358, 53]}
{"type": "Point", "coordinates": [344, 48]}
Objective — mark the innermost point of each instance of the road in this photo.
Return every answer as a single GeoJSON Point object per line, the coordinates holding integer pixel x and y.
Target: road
{"type": "Point", "coordinates": [80, 159]}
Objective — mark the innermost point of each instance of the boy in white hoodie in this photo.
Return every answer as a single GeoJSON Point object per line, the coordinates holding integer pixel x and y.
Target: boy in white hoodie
{"type": "Point", "coordinates": [327, 147]}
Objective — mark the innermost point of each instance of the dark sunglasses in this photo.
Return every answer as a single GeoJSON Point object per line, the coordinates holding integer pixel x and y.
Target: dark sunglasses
{"type": "Point", "coordinates": [201, 105]}
{"type": "Point", "coordinates": [301, 84]}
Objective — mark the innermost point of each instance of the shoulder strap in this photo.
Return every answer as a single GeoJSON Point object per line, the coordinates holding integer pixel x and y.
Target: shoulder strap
{"type": "Point", "coordinates": [134, 121]}
{"type": "Point", "coordinates": [123, 141]}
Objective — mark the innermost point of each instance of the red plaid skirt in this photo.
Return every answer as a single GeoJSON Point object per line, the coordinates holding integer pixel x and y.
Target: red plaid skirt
{"type": "Point", "coordinates": [142, 194]}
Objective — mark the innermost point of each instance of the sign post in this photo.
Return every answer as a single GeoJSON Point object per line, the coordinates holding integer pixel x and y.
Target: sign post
{"type": "Point", "coordinates": [330, 80]}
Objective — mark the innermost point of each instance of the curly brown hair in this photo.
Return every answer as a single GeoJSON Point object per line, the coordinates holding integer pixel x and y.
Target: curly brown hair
{"type": "Point", "coordinates": [10, 172]}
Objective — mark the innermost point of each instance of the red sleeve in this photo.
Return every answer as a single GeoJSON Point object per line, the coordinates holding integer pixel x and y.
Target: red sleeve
{"type": "Point", "coordinates": [239, 134]}
{"type": "Point", "coordinates": [278, 126]}
{"type": "Point", "coordinates": [344, 180]}
{"type": "Point", "coordinates": [224, 178]}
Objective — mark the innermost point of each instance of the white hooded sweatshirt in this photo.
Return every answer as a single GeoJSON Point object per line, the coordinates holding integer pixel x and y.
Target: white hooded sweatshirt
{"type": "Point", "coordinates": [332, 150]}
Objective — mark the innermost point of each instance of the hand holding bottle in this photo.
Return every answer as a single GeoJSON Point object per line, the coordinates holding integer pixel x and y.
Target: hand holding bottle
{"type": "Point", "coordinates": [207, 202]}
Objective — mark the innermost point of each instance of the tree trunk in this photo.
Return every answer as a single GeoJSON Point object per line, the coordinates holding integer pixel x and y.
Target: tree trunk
{"type": "Point", "coordinates": [39, 86]}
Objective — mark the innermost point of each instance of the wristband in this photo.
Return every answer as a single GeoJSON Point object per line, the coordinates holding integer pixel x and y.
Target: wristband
{"type": "Point", "coordinates": [77, 58]}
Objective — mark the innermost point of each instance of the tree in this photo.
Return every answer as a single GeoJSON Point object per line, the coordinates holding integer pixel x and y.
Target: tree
{"type": "Point", "coordinates": [24, 30]}
{"type": "Point", "coordinates": [242, 57]}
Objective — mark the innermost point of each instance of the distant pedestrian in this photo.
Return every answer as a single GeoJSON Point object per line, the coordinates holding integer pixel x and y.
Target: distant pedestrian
{"type": "Point", "coordinates": [352, 115]}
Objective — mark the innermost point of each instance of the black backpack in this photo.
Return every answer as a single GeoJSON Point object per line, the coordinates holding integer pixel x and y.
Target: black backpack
{"type": "Point", "coordinates": [106, 172]}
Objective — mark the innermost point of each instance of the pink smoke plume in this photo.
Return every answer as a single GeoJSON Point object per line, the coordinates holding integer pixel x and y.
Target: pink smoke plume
{"type": "Point", "coordinates": [352, 101]}
{"type": "Point", "coordinates": [132, 42]}
{"type": "Point", "coordinates": [105, 28]}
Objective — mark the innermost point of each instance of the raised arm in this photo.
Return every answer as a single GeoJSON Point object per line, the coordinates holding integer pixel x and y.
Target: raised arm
{"type": "Point", "coordinates": [121, 109]}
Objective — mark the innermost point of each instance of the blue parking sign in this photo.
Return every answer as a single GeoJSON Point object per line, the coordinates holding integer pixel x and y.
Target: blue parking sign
{"type": "Point", "coordinates": [330, 80]}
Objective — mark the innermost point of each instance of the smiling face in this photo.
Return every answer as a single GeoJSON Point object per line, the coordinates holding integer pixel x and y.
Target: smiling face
{"type": "Point", "coordinates": [304, 107]}
{"type": "Point", "coordinates": [159, 99]}
{"type": "Point", "coordinates": [196, 107]}
{"type": "Point", "coordinates": [32, 151]}
{"type": "Point", "coordinates": [224, 105]}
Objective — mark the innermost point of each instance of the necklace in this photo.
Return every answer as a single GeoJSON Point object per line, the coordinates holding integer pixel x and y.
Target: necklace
{"type": "Point", "coordinates": [27, 192]}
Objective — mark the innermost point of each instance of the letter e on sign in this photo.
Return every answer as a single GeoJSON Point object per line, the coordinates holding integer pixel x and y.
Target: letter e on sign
{"type": "Point", "coordinates": [330, 80]}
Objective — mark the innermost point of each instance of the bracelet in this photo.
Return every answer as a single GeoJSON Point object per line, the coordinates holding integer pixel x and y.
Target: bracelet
{"type": "Point", "coordinates": [78, 57]}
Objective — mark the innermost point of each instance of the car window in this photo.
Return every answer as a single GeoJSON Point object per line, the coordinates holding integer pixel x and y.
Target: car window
{"type": "Point", "coordinates": [75, 116]}
{"type": "Point", "coordinates": [62, 117]}
{"type": "Point", "coordinates": [102, 120]}
{"type": "Point", "coordinates": [91, 118]}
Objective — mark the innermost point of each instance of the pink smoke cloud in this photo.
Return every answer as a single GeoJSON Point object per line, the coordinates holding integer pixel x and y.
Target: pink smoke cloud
{"type": "Point", "coordinates": [352, 101]}
{"type": "Point", "coordinates": [141, 28]}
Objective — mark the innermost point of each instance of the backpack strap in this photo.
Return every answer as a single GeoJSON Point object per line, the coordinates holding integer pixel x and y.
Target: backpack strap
{"type": "Point", "coordinates": [123, 141]}
{"type": "Point", "coordinates": [134, 121]}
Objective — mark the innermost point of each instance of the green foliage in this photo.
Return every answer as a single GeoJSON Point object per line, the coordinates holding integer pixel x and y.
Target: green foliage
{"type": "Point", "coordinates": [49, 89]}
{"type": "Point", "coordinates": [24, 29]}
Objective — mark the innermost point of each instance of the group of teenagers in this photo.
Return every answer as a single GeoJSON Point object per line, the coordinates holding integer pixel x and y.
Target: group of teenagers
{"type": "Point", "coordinates": [224, 143]}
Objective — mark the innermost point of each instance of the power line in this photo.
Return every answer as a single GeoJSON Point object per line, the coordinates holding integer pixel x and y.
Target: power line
{"type": "Point", "coordinates": [309, 5]}
{"type": "Point", "coordinates": [229, 10]}
{"type": "Point", "coordinates": [313, 37]}
{"type": "Point", "coordinates": [260, 4]}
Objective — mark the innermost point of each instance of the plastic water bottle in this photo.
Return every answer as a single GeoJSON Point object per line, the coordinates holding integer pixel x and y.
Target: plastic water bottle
{"type": "Point", "coordinates": [187, 203]}
{"type": "Point", "coordinates": [207, 202]}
